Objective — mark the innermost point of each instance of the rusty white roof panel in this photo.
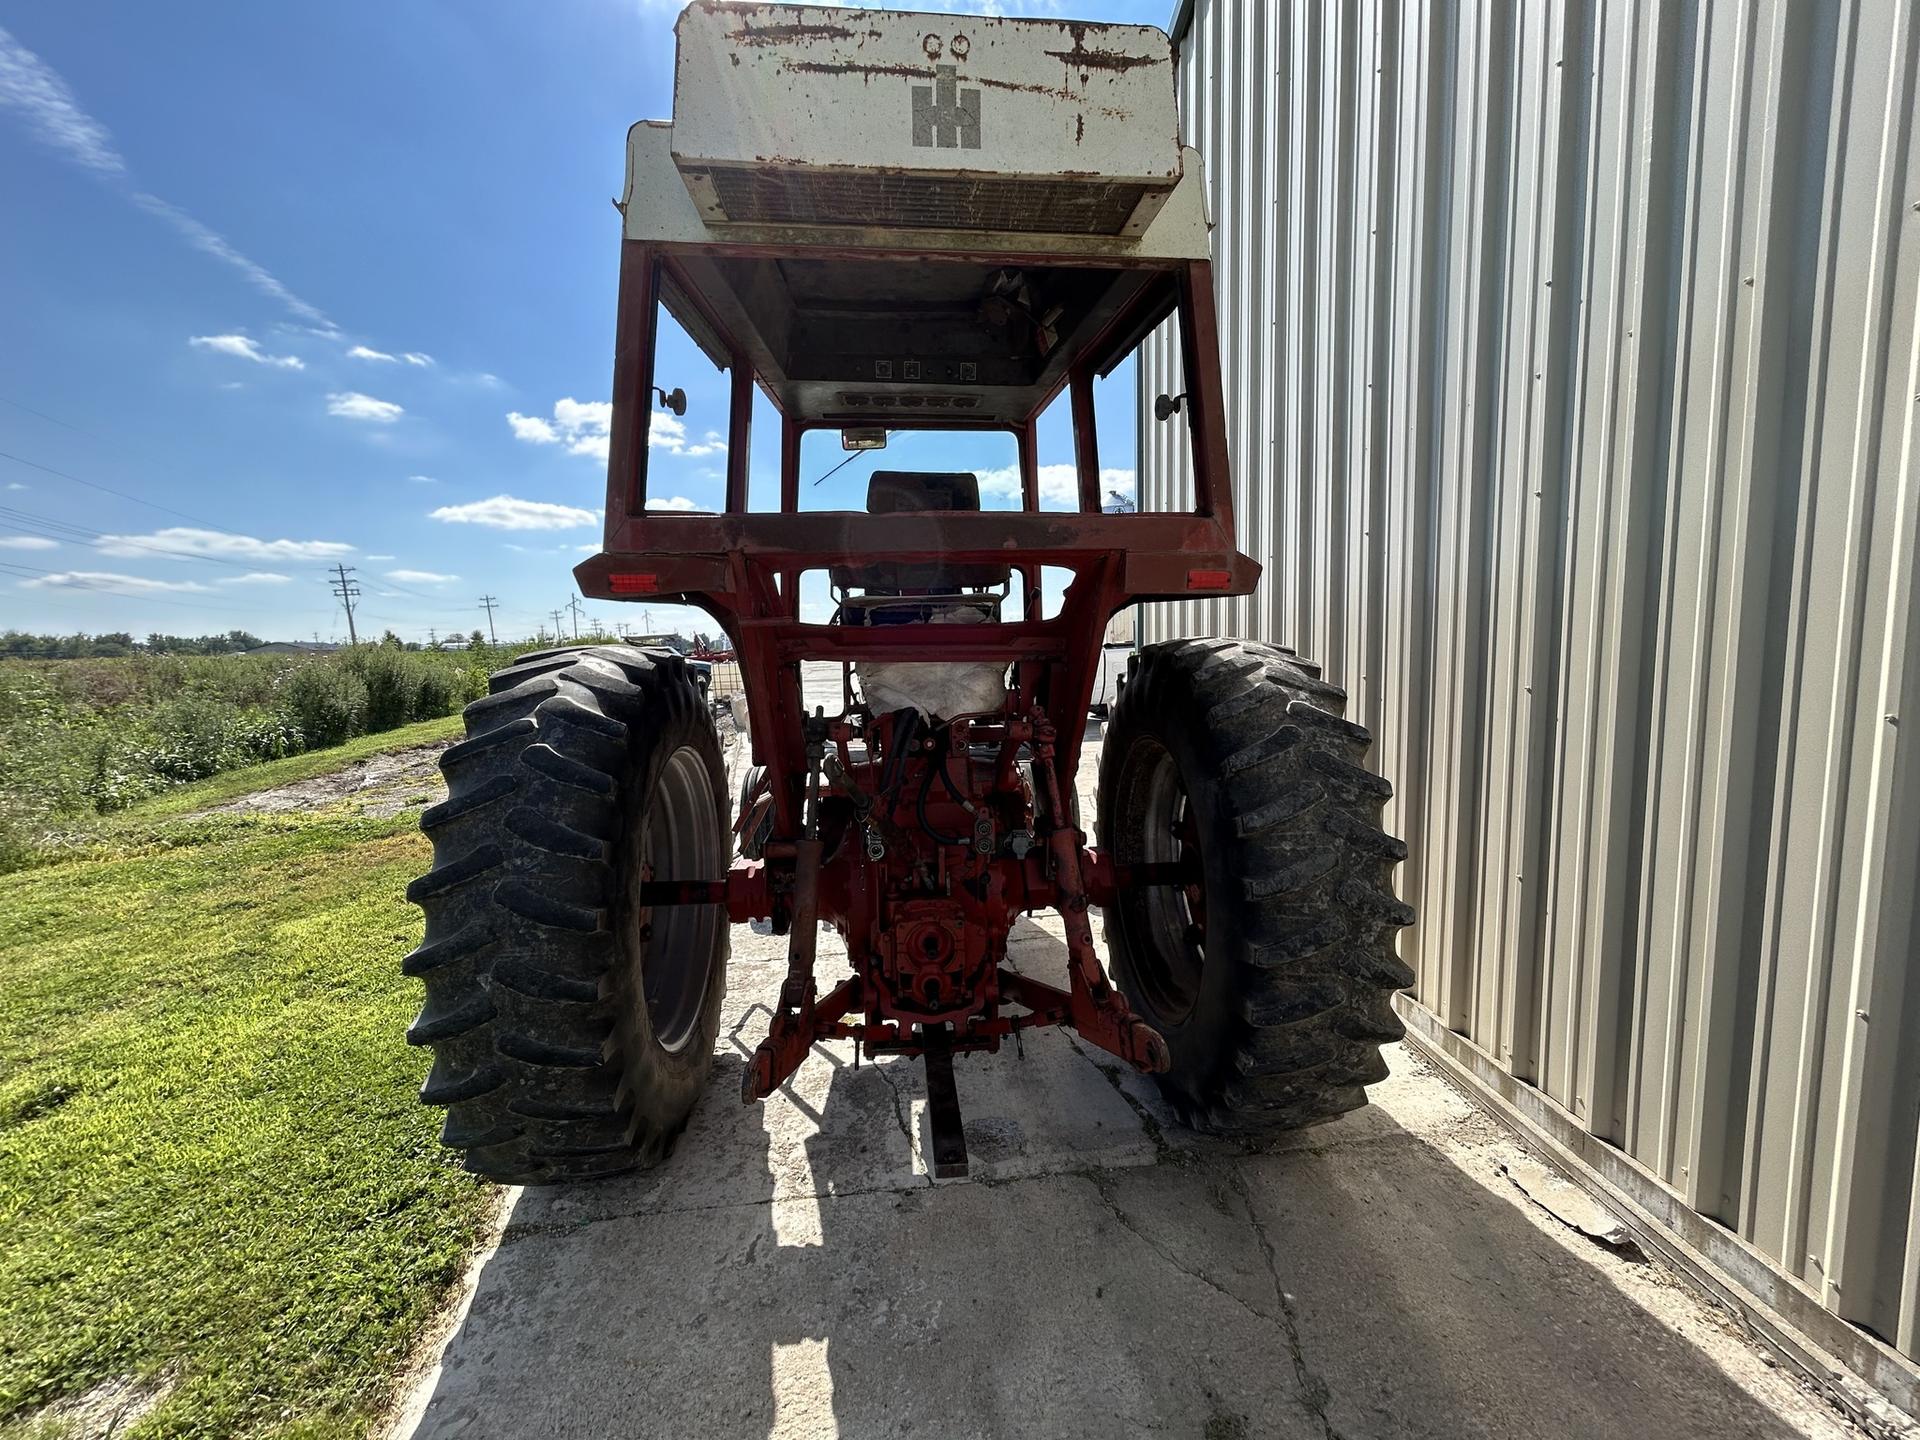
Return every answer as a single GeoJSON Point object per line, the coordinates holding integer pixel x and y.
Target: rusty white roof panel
{"type": "Point", "coordinates": [807, 114]}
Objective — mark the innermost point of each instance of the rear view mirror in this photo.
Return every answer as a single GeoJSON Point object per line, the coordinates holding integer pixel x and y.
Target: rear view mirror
{"type": "Point", "coordinates": [869, 438]}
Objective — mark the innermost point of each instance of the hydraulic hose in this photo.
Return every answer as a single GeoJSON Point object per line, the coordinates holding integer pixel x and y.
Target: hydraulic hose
{"type": "Point", "coordinates": [935, 761]}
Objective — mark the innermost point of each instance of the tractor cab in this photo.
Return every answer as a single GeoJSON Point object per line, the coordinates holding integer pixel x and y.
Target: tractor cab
{"type": "Point", "coordinates": [896, 228]}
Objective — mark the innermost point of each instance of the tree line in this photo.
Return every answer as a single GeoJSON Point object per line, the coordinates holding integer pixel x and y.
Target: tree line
{"type": "Point", "coordinates": [20, 645]}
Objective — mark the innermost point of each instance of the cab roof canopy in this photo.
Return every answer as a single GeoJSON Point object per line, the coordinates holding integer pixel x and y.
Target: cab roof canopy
{"type": "Point", "coordinates": [902, 219]}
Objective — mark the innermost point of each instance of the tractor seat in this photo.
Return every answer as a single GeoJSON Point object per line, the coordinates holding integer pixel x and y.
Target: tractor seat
{"type": "Point", "coordinates": [891, 492]}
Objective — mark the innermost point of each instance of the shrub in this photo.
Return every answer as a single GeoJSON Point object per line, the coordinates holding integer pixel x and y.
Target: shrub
{"type": "Point", "coordinates": [392, 679]}
{"type": "Point", "coordinates": [405, 685]}
{"type": "Point", "coordinates": [267, 735]}
{"type": "Point", "coordinates": [18, 844]}
{"type": "Point", "coordinates": [442, 690]}
{"type": "Point", "coordinates": [196, 737]}
{"type": "Point", "coordinates": [327, 703]}
{"type": "Point", "coordinates": [119, 761]}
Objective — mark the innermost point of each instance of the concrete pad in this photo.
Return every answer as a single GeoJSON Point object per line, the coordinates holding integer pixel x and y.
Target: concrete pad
{"type": "Point", "coordinates": [791, 1271]}
{"type": "Point", "coordinates": [837, 1129]}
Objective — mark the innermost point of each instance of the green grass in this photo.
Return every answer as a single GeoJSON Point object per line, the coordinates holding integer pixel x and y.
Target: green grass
{"type": "Point", "coordinates": [212, 1161]}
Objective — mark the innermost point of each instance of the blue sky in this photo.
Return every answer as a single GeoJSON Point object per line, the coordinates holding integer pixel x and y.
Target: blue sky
{"type": "Point", "coordinates": [290, 286]}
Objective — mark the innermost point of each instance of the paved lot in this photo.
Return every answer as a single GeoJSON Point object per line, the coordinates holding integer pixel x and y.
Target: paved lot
{"type": "Point", "coordinates": [793, 1271]}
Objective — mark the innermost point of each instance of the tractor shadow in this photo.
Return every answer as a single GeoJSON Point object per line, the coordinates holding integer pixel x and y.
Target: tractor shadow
{"type": "Point", "coordinates": [792, 1271]}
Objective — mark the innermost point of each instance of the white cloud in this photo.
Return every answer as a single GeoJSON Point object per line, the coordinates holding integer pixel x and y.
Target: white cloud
{"type": "Point", "coordinates": [592, 417]}
{"type": "Point", "coordinates": [246, 348]}
{"type": "Point", "coordinates": [379, 557]}
{"type": "Point", "coordinates": [352, 405]}
{"type": "Point", "coordinates": [419, 577]}
{"type": "Point", "coordinates": [532, 428]}
{"type": "Point", "coordinates": [257, 577]}
{"type": "Point", "coordinates": [15, 485]}
{"type": "Point", "coordinates": [27, 542]}
{"type": "Point", "coordinates": [103, 579]}
{"type": "Point", "coordinates": [422, 480]}
{"type": "Point", "coordinates": [183, 542]}
{"type": "Point", "coordinates": [505, 512]}
{"type": "Point", "coordinates": [672, 502]}
{"type": "Point", "coordinates": [34, 90]}
{"type": "Point", "coordinates": [585, 427]}
{"type": "Point", "coordinates": [367, 352]}
{"type": "Point", "coordinates": [669, 433]}
{"type": "Point", "coordinates": [209, 242]}
{"type": "Point", "coordinates": [1059, 484]}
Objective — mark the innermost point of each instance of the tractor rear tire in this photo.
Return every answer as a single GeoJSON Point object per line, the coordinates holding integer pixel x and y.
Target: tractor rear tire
{"type": "Point", "coordinates": [572, 1028]}
{"type": "Point", "coordinates": [1272, 976]}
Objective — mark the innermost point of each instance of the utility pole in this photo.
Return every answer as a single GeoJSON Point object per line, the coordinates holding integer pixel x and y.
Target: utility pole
{"type": "Point", "coordinates": [487, 602]}
{"type": "Point", "coordinates": [558, 633]}
{"type": "Point", "coordinates": [346, 591]}
{"type": "Point", "coordinates": [433, 638]}
{"type": "Point", "coordinates": [574, 606]}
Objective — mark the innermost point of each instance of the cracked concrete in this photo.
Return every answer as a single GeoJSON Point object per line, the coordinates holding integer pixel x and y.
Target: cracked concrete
{"type": "Point", "coordinates": [792, 1271]}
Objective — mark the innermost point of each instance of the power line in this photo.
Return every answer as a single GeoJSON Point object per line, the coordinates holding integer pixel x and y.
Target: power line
{"type": "Point", "coordinates": [216, 526]}
{"type": "Point", "coordinates": [487, 602]}
{"type": "Point", "coordinates": [107, 588]}
{"type": "Point", "coordinates": [48, 528]}
{"type": "Point", "coordinates": [107, 489]}
{"type": "Point", "coordinates": [50, 419]}
{"type": "Point", "coordinates": [51, 529]}
{"type": "Point", "coordinates": [347, 592]}
{"type": "Point", "coordinates": [400, 589]}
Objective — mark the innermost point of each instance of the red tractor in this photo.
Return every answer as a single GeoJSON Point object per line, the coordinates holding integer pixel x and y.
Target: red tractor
{"type": "Point", "coordinates": [923, 229]}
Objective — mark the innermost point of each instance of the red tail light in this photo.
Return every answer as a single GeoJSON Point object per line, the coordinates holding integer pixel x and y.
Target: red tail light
{"type": "Point", "coordinates": [634, 584]}
{"type": "Point", "coordinates": [1209, 579]}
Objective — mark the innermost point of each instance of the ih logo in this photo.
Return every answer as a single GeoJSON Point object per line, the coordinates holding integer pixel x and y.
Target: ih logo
{"type": "Point", "coordinates": [944, 115]}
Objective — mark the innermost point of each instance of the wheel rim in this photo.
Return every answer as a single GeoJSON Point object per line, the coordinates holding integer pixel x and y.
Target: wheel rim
{"type": "Point", "coordinates": [679, 841]}
{"type": "Point", "coordinates": [1160, 827]}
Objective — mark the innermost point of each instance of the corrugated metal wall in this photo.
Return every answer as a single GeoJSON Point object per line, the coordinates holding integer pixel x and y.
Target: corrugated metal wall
{"type": "Point", "coordinates": [1572, 358]}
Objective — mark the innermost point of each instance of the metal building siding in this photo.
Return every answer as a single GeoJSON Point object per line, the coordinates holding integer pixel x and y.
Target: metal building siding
{"type": "Point", "coordinates": [1572, 359]}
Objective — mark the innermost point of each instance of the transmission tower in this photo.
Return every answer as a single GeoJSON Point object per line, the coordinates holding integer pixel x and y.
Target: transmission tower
{"type": "Point", "coordinates": [346, 591]}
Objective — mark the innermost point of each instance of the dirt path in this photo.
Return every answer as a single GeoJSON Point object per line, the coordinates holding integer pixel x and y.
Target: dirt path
{"type": "Point", "coordinates": [377, 787]}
